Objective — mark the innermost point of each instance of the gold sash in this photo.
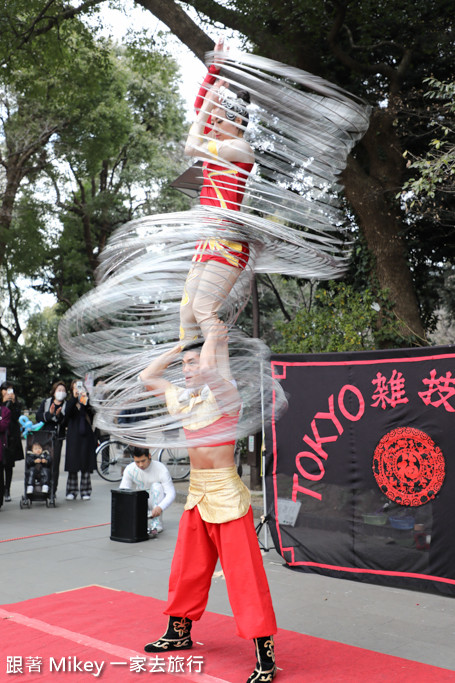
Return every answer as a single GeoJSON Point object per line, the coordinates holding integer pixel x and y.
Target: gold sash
{"type": "Point", "coordinates": [219, 494]}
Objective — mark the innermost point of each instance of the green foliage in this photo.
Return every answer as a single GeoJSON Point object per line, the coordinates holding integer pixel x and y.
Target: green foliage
{"type": "Point", "coordinates": [103, 125]}
{"type": "Point", "coordinates": [381, 51]}
{"type": "Point", "coordinates": [27, 243]}
{"type": "Point", "coordinates": [436, 170]}
{"type": "Point", "coordinates": [339, 319]}
{"type": "Point", "coordinates": [118, 162]}
{"type": "Point", "coordinates": [89, 138]}
{"type": "Point", "coordinates": [35, 365]}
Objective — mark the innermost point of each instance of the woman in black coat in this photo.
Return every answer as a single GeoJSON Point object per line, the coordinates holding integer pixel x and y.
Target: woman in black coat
{"type": "Point", "coordinates": [13, 451]}
{"type": "Point", "coordinates": [80, 442]}
{"type": "Point", "coordinates": [52, 413]}
{"type": "Point", "coordinates": [5, 416]}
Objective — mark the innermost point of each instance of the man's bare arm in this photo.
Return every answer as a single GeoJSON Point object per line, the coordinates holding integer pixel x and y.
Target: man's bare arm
{"type": "Point", "coordinates": [151, 376]}
{"type": "Point", "coordinates": [216, 345]}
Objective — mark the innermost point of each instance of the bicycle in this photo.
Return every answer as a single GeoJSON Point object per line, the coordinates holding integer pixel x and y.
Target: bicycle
{"type": "Point", "coordinates": [177, 461]}
{"type": "Point", "coordinates": [111, 459]}
{"type": "Point", "coordinates": [113, 456]}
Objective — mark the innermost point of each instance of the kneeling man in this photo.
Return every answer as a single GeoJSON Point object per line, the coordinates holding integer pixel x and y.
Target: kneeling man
{"type": "Point", "coordinates": [145, 474]}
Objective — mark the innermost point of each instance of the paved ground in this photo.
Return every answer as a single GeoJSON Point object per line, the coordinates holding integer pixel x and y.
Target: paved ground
{"type": "Point", "coordinates": [35, 561]}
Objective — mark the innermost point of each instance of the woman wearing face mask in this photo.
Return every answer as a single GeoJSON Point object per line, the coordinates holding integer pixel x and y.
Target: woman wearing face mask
{"type": "Point", "coordinates": [52, 412]}
{"type": "Point", "coordinates": [13, 450]}
{"type": "Point", "coordinates": [80, 442]}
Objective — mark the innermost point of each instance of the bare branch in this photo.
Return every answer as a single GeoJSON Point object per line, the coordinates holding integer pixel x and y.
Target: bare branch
{"type": "Point", "coordinates": [344, 57]}
{"type": "Point", "coordinates": [186, 30]}
{"type": "Point", "coordinates": [35, 30]}
{"type": "Point", "coordinates": [268, 282]}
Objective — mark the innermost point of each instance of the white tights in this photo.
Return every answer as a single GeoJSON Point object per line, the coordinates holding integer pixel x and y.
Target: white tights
{"type": "Point", "coordinates": [207, 286]}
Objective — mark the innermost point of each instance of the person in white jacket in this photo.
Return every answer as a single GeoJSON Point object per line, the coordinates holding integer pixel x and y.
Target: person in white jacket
{"type": "Point", "coordinates": [145, 474]}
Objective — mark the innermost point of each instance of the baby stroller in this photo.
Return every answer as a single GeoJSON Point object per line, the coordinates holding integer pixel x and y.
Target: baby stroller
{"type": "Point", "coordinates": [46, 440]}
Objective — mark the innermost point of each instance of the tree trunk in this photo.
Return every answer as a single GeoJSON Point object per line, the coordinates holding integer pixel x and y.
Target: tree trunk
{"type": "Point", "coordinates": [372, 196]}
{"type": "Point", "coordinates": [14, 178]}
{"type": "Point", "coordinates": [181, 25]}
{"type": "Point", "coordinates": [370, 188]}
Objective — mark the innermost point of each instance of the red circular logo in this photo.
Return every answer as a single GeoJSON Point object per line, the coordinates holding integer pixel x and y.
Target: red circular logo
{"type": "Point", "coordinates": [408, 467]}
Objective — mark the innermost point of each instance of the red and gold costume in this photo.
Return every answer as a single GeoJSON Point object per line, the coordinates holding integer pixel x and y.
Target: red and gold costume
{"type": "Point", "coordinates": [223, 186]}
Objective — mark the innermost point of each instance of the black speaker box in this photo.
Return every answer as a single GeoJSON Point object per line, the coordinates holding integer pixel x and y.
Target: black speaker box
{"type": "Point", "coordinates": [129, 515]}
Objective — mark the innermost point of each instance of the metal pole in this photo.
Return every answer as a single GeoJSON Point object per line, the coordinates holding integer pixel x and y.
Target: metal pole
{"type": "Point", "coordinates": [264, 495]}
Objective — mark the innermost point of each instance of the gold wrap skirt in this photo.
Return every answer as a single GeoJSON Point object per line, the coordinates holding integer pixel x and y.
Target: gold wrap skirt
{"type": "Point", "coordinates": [220, 494]}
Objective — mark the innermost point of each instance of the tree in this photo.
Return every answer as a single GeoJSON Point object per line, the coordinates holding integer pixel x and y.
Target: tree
{"type": "Point", "coordinates": [24, 253]}
{"type": "Point", "coordinates": [436, 169]}
{"type": "Point", "coordinates": [101, 124]}
{"type": "Point", "coordinates": [115, 165]}
{"type": "Point", "coordinates": [338, 318]}
{"type": "Point", "coordinates": [35, 364]}
{"type": "Point", "coordinates": [22, 22]}
{"type": "Point", "coordinates": [381, 51]}
{"type": "Point", "coordinates": [44, 90]}
{"type": "Point", "coordinates": [89, 136]}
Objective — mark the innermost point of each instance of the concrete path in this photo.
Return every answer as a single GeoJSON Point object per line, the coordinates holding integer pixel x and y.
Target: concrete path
{"type": "Point", "coordinates": [36, 561]}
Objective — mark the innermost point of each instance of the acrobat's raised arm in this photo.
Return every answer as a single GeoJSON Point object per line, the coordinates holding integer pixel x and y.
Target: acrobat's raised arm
{"type": "Point", "coordinates": [226, 139]}
{"type": "Point", "coordinates": [215, 370]}
{"type": "Point", "coordinates": [152, 375]}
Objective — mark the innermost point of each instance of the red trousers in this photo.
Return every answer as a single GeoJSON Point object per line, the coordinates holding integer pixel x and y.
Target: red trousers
{"type": "Point", "coordinates": [199, 545]}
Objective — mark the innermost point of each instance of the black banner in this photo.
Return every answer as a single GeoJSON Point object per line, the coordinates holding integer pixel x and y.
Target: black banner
{"type": "Point", "coordinates": [361, 468]}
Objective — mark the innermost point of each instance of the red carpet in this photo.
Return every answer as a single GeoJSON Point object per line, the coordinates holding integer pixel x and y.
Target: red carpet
{"type": "Point", "coordinates": [98, 627]}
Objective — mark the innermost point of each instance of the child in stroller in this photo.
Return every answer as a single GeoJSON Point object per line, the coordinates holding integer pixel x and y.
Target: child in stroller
{"type": "Point", "coordinates": [38, 470]}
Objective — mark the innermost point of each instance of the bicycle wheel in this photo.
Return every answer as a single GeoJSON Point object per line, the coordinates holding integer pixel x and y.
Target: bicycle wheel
{"type": "Point", "coordinates": [177, 461]}
{"type": "Point", "coordinates": [111, 459]}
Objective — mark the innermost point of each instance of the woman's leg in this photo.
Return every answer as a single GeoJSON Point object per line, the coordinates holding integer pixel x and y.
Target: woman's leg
{"type": "Point", "coordinates": [206, 288]}
{"type": "Point", "coordinates": [57, 452]}
{"type": "Point", "coordinates": [86, 485]}
{"type": "Point", "coordinates": [71, 485]}
{"type": "Point", "coordinates": [8, 477]}
{"type": "Point", "coordinates": [214, 284]}
{"type": "Point", "coordinates": [189, 328]}
{"type": "Point", "coordinates": [2, 484]}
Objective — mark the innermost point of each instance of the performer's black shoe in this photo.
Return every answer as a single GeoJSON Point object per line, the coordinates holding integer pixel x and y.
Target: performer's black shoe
{"type": "Point", "coordinates": [177, 636]}
{"type": "Point", "coordinates": [265, 670]}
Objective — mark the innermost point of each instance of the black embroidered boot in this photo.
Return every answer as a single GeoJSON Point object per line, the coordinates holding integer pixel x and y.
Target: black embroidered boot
{"type": "Point", "coordinates": [177, 636]}
{"type": "Point", "coordinates": [265, 669]}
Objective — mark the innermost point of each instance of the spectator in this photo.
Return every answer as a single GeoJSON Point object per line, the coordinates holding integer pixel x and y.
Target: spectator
{"type": "Point", "coordinates": [5, 417]}
{"type": "Point", "coordinates": [149, 475]}
{"type": "Point", "coordinates": [52, 412]}
{"type": "Point", "coordinates": [38, 468]}
{"type": "Point", "coordinates": [13, 450]}
{"type": "Point", "coordinates": [99, 391]}
{"type": "Point", "coordinates": [80, 442]}
{"type": "Point", "coordinates": [131, 415]}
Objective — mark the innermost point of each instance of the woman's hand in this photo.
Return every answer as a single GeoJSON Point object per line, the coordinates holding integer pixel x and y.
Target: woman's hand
{"type": "Point", "coordinates": [212, 98]}
{"type": "Point", "coordinates": [219, 50]}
